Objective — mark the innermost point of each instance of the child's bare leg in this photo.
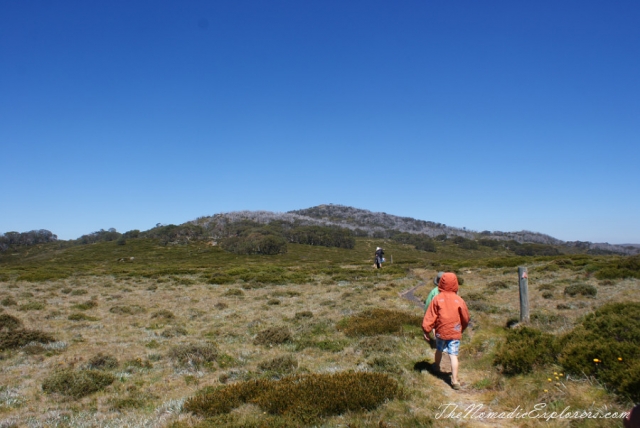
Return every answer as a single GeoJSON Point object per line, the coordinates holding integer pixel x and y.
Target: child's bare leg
{"type": "Point", "coordinates": [438, 358]}
{"type": "Point", "coordinates": [454, 368]}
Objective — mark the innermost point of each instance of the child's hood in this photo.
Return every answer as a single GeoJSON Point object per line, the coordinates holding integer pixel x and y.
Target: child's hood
{"type": "Point", "coordinates": [448, 282]}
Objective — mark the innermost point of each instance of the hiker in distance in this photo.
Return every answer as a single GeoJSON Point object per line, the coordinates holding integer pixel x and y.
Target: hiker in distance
{"type": "Point", "coordinates": [378, 258]}
{"type": "Point", "coordinates": [448, 314]}
{"type": "Point", "coordinates": [434, 292]}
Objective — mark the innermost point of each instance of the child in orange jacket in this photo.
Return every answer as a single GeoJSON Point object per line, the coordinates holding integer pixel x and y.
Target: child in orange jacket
{"type": "Point", "coordinates": [448, 314]}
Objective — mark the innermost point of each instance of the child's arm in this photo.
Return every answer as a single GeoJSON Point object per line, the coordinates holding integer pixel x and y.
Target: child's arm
{"type": "Point", "coordinates": [464, 315]}
{"type": "Point", "coordinates": [429, 320]}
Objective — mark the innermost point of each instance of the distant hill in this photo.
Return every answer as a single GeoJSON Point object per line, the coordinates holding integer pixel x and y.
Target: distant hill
{"type": "Point", "coordinates": [379, 224]}
{"type": "Point", "coordinates": [361, 222]}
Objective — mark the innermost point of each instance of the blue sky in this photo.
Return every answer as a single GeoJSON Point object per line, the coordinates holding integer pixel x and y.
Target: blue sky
{"type": "Point", "coordinates": [495, 115]}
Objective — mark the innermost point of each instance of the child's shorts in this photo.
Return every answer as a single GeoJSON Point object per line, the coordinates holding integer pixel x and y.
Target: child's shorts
{"type": "Point", "coordinates": [451, 347]}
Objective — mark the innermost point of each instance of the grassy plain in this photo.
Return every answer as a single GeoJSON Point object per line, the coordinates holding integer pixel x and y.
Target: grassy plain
{"type": "Point", "coordinates": [168, 321]}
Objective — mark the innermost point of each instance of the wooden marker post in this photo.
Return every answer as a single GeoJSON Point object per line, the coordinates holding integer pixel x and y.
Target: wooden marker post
{"type": "Point", "coordinates": [523, 281]}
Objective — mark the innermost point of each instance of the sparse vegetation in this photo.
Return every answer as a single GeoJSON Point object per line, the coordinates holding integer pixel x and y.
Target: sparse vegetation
{"type": "Point", "coordinates": [160, 305]}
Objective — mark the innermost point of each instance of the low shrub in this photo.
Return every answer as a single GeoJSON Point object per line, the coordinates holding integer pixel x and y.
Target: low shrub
{"type": "Point", "coordinates": [194, 355]}
{"type": "Point", "coordinates": [279, 365]}
{"type": "Point", "coordinates": [218, 278]}
{"type": "Point", "coordinates": [103, 362]}
{"type": "Point", "coordinates": [497, 285]}
{"type": "Point", "coordinates": [620, 268]}
{"type": "Point", "coordinates": [77, 383]}
{"type": "Point", "coordinates": [9, 322]}
{"type": "Point", "coordinates": [89, 304]}
{"type": "Point", "coordinates": [273, 336]}
{"type": "Point", "coordinates": [305, 398]}
{"type": "Point", "coordinates": [127, 310]}
{"type": "Point", "coordinates": [31, 306]}
{"type": "Point", "coordinates": [163, 314]}
{"type": "Point", "coordinates": [20, 337]}
{"type": "Point", "coordinates": [581, 289]}
{"type": "Point", "coordinates": [221, 305]}
{"type": "Point", "coordinates": [377, 321]}
{"type": "Point", "coordinates": [525, 348]}
{"type": "Point", "coordinates": [607, 345]}
{"type": "Point", "coordinates": [303, 315]}
{"type": "Point", "coordinates": [81, 317]}
{"type": "Point", "coordinates": [547, 295]}
{"type": "Point", "coordinates": [273, 302]}
{"type": "Point", "coordinates": [79, 292]}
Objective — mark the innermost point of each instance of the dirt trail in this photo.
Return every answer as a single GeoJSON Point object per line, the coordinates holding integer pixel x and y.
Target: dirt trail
{"type": "Point", "coordinates": [465, 399]}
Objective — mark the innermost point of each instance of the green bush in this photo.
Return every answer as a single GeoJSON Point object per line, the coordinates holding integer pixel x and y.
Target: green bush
{"type": "Point", "coordinates": [305, 398]}
{"type": "Point", "coordinates": [77, 384]}
{"type": "Point", "coordinates": [9, 322]}
{"type": "Point", "coordinates": [19, 337]}
{"type": "Point", "coordinates": [525, 348]}
{"type": "Point", "coordinates": [255, 243]}
{"type": "Point", "coordinates": [587, 290]}
{"type": "Point", "coordinates": [326, 236]}
{"type": "Point", "coordinates": [79, 292]}
{"type": "Point", "coordinates": [607, 345]}
{"type": "Point", "coordinates": [377, 321]}
{"type": "Point", "coordinates": [194, 355]}
{"type": "Point", "coordinates": [619, 268]}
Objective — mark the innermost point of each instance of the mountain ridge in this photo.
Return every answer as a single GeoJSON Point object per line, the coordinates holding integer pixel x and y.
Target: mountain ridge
{"type": "Point", "coordinates": [361, 221]}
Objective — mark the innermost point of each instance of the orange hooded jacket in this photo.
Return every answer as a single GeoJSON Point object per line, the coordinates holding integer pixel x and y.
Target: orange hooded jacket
{"type": "Point", "coordinates": [447, 312]}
